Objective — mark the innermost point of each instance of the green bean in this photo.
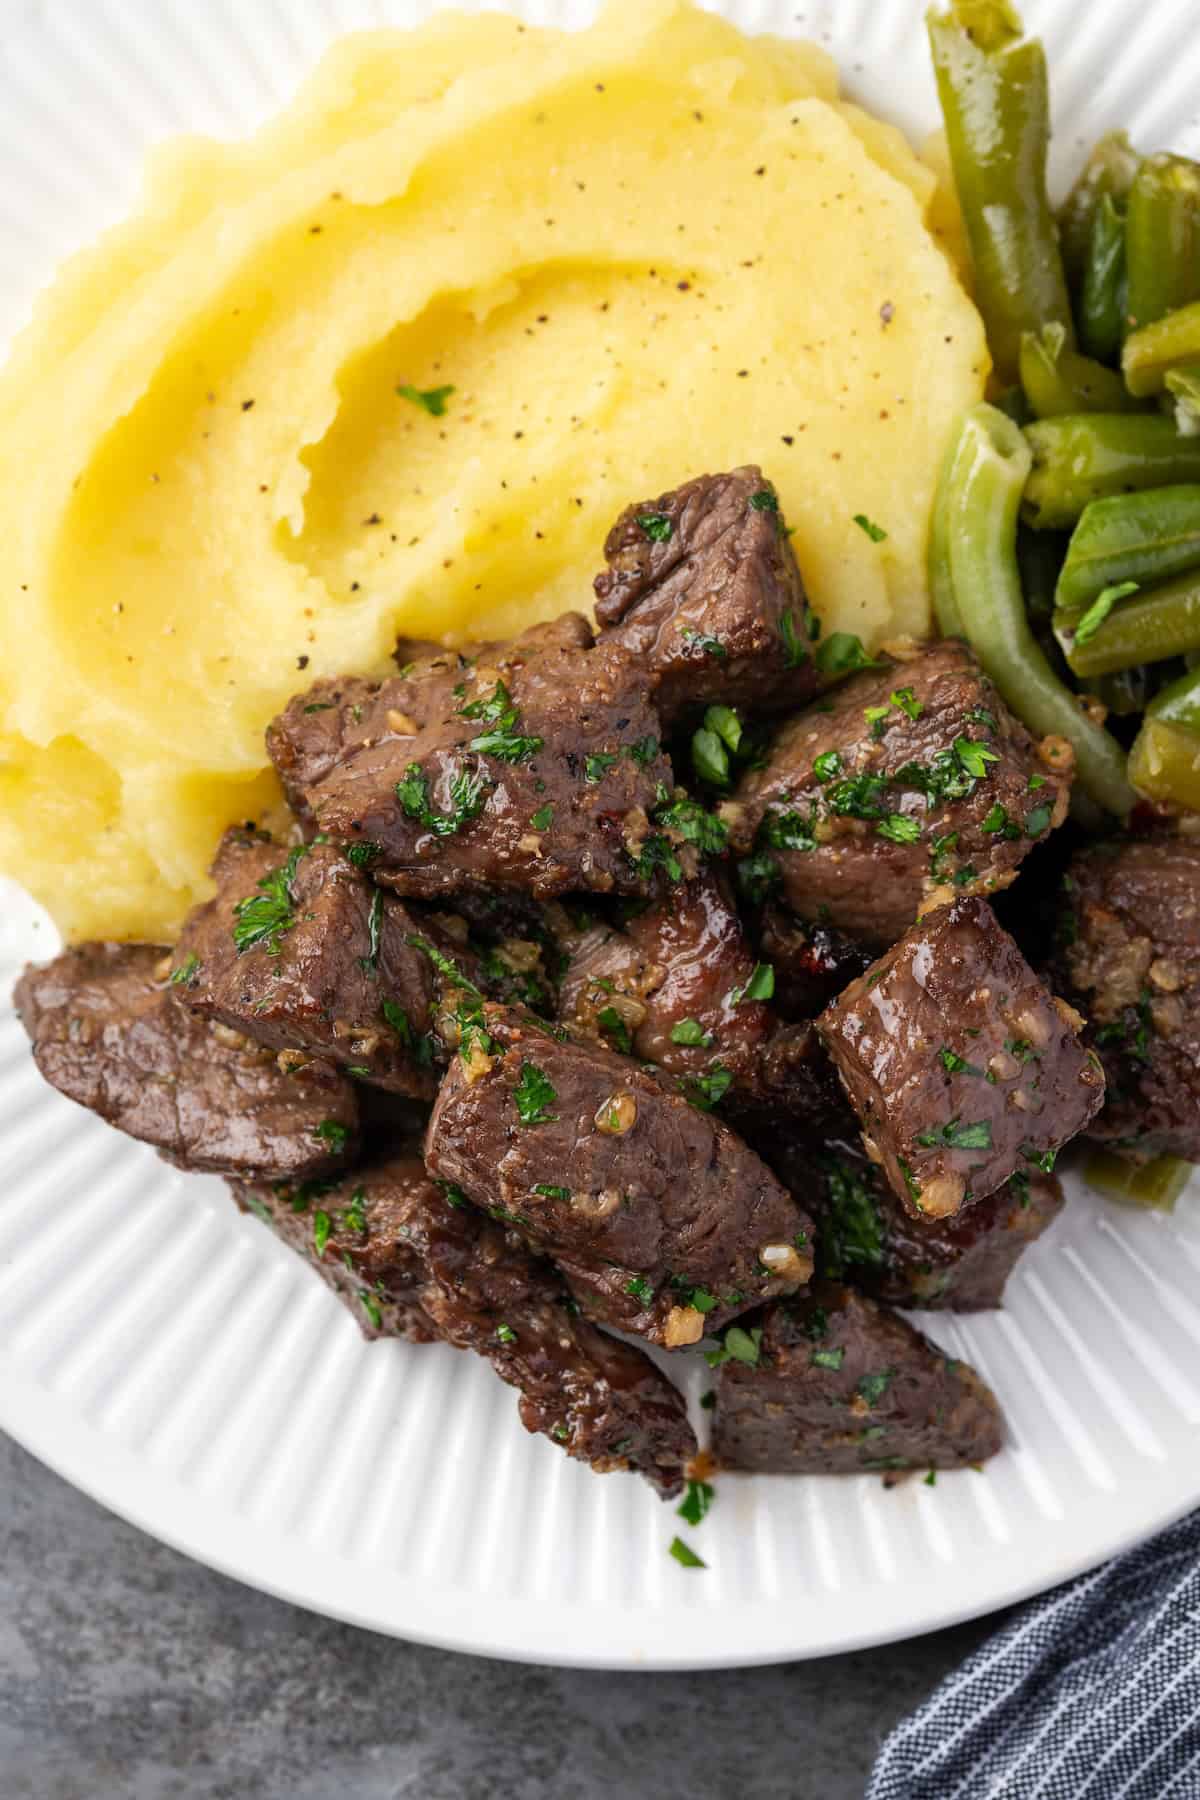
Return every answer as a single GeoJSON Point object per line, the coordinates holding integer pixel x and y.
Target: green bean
{"type": "Point", "coordinates": [1107, 175]}
{"type": "Point", "coordinates": [1131, 537]}
{"type": "Point", "coordinates": [1165, 760]}
{"type": "Point", "coordinates": [1103, 291]}
{"type": "Point", "coordinates": [1183, 385]}
{"type": "Point", "coordinates": [986, 474]}
{"type": "Point", "coordinates": [941, 586]}
{"type": "Point", "coordinates": [1058, 380]}
{"type": "Point", "coordinates": [1156, 1184]}
{"type": "Point", "coordinates": [1089, 456]}
{"type": "Point", "coordinates": [1154, 349]}
{"type": "Point", "coordinates": [1162, 238]}
{"type": "Point", "coordinates": [995, 104]}
{"type": "Point", "coordinates": [1149, 627]}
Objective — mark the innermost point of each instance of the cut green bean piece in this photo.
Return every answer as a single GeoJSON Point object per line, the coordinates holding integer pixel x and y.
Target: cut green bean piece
{"type": "Point", "coordinates": [1103, 291]}
{"type": "Point", "coordinates": [1179, 703]}
{"type": "Point", "coordinates": [995, 105]}
{"type": "Point", "coordinates": [1144, 537]}
{"type": "Point", "coordinates": [1156, 1184]}
{"type": "Point", "coordinates": [1057, 379]}
{"type": "Point", "coordinates": [1146, 628]}
{"type": "Point", "coordinates": [1183, 386]}
{"type": "Point", "coordinates": [1107, 175]}
{"type": "Point", "coordinates": [1164, 764]}
{"type": "Point", "coordinates": [1155, 349]}
{"type": "Point", "coordinates": [1162, 238]}
{"type": "Point", "coordinates": [1090, 456]}
{"type": "Point", "coordinates": [987, 471]}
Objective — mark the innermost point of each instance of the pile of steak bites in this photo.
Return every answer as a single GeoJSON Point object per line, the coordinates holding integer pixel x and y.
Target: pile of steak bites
{"type": "Point", "coordinates": [645, 979]}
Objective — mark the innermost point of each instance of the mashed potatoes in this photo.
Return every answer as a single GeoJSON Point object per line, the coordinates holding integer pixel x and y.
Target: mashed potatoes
{"type": "Point", "coordinates": [395, 364]}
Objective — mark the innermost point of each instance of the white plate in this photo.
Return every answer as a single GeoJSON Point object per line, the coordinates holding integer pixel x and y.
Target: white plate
{"type": "Point", "coordinates": [170, 1358]}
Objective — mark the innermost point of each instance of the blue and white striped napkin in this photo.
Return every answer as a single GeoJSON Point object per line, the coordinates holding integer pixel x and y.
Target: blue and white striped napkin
{"type": "Point", "coordinates": [1090, 1693]}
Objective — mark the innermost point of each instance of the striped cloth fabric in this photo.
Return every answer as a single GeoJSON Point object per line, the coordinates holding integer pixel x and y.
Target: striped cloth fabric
{"type": "Point", "coordinates": [1090, 1693]}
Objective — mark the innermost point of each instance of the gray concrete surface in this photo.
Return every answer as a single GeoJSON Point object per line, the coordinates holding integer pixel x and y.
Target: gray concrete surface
{"type": "Point", "coordinates": [129, 1673]}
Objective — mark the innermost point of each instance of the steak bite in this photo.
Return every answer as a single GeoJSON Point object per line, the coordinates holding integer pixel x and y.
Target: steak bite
{"type": "Point", "coordinates": [905, 782]}
{"type": "Point", "coordinates": [702, 595]}
{"type": "Point", "coordinates": [109, 1031]}
{"type": "Point", "coordinates": [662, 1220]}
{"type": "Point", "coordinates": [963, 1068]}
{"type": "Point", "coordinates": [538, 772]}
{"type": "Point", "coordinates": [865, 1235]}
{"type": "Point", "coordinates": [1129, 957]}
{"type": "Point", "coordinates": [842, 1386]}
{"type": "Point", "coordinates": [812, 963]}
{"type": "Point", "coordinates": [679, 986]}
{"type": "Point", "coordinates": [299, 951]}
{"type": "Point", "coordinates": [412, 1261]}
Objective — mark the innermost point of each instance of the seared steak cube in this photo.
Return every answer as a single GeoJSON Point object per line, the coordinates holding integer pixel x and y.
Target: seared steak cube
{"type": "Point", "coordinates": [703, 596]}
{"type": "Point", "coordinates": [1130, 960]}
{"type": "Point", "coordinates": [299, 951]}
{"type": "Point", "coordinates": [109, 1031]}
{"type": "Point", "coordinates": [663, 1221]}
{"type": "Point", "coordinates": [904, 782]}
{"type": "Point", "coordinates": [963, 1068]}
{"type": "Point", "coordinates": [540, 773]}
{"type": "Point", "coordinates": [842, 1386]}
{"type": "Point", "coordinates": [867, 1237]}
{"type": "Point", "coordinates": [416, 1262]}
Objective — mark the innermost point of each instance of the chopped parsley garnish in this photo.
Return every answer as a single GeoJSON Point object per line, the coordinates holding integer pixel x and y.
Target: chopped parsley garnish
{"type": "Point", "coordinates": [468, 791]}
{"type": "Point", "coordinates": [640, 1289]}
{"type": "Point", "coordinates": [432, 400]}
{"type": "Point", "coordinates": [709, 1399]}
{"type": "Point", "coordinates": [533, 1096]}
{"type": "Point", "coordinates": [186, 970]}
{"type": "Point", "coordinates": [542, 819]}
{"type": "Point", "coordinates": [908, 703]}
{"type": "Point", "coordinates": [876, 533]}
{"type": "Point", "coordinates": [707, 1091]}
{"type": "Point", "coordinates": [333, 1133]}
{"type": "Point", "coordinates": [322, 1226]}
{"type": "Point", "coordinates": [899, 829]}
{"type": "Point", "coordinates": [765, 501]}
{"type": "Point", "coordinates": [371, 1307]}
{"type": "Point", "coordinates": [761, 985]}
{"type": "Point", "coordinates": [876, 717]}
{"type": "Point", "coordinates": [757, 875]}
{"type": "Point", "coordinates": [613, 1025]}
{"type": "Point", "coordinates": [690, 1031]}
{"type": "Point", "coordinates": [710, 758]}
{"type": "Point", "coordinates": [795, 650]}
{"type": "Point", "coordinates": [445, 965]}
{"type": "Point", "coordinates": [874, 1387]}
{"type": "Point", "coordinates": [320, 706]}
{"type": "Point", "coordinates": [930, 1479]}
{"type": "Point", "coordinates": [685, 1555]}
{"type": "Point", "coordinates": [858, 796]}
{"type": "Point", "coordinates": [643, 751]}
{"type": "Point", "coordinates": [787, 831]}
{"type": "Point", "coordinates": [596, 766]}
{"type": "Point", "coordinates": [1038, 820]}
{"type": "Point", "coordinates": [1022, 1049]}
{"type": "Point", "coordinates": [737, 1345]}
{"type": "Point", "coordinates": [657, 527]}
{"type": "Point", "coordinates": [726, 724]}
{"type": "Point", "coordinates": [1100, 608]}
{"type": "Point", "coordinates": [975, 1135]}
{"type": "Point", "coordinates": [696, 1502]}
{"type": "Point", "coordinates": [690, 821]}
{"type": "Point", "coordinates": [1041, 1159]}
{"type": "Point", "coordinates": [498, 711]}
{"type": "Point", "coordinates": [262, 919]}
{"type": "Point", "coordinates": [942, 848]}
{"type": "Point", "coordinates": [979, 715]}
{"type": "Point", "coordinates": [710, 646]}
{"type": "Point", "coordinates": [974, 757]}
{"type": "Point", "coordinates": [841, 653]}
{"type": "Point", "coordinates": [954, 1064]}
{"type": "Point", "coordinates": [506, 1334]}
{"type": "Point", "coordinates": [997, 823]}
{"type": "Point", "coordinates": [551, 1192]}
{"type": "Point", "coordinates": [827, 765]}
{"type": "Point", "coordinates": [361, 855]}
{"type": "Point", "coordinates": [398, 1020]}
{"type": "Point", "coordinates": [827, 1359]}
{"type": "Point", "coordinates": [852, 1230]}
{"type": "Point", "coordinates": [354, 1216]}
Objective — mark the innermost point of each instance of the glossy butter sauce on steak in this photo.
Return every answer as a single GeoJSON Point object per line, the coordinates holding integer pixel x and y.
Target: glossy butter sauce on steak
{"type": "Point", "coordinates": [663, 1221]}
{"type": "Point", "coordinates": [962, 1066]}
{"type": "Point", "coordinates": [702, 595]}
{"type": "Point", "coordinates": [900, 783]}
{"type": "Point", "coordinates": [843, 1386]}
{"type": "Point", "coordinates": [109, 1031]}
{"type": "Point", "coordinates": [1129, 958]}
{"type": "Point", "coordinates": [411, 1260]}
